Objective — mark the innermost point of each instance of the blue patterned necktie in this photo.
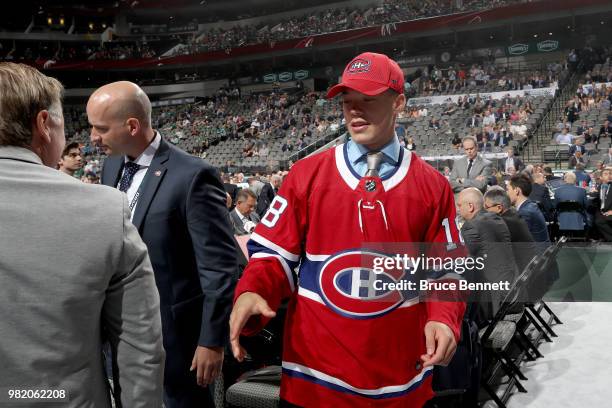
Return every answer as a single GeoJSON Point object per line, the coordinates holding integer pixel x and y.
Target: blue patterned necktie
{"type": "Point", "coordinates": [129, 171]}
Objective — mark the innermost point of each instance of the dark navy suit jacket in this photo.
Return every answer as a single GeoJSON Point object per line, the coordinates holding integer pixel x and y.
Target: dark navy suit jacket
{"type": "Point", "coordinates": [571, 220]}
{"type": "Point", "coordinates": [182, 218]}
{"type": "Point", "coordinates": [534, 218]}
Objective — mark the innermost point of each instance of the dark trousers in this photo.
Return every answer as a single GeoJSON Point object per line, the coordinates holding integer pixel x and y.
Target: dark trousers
{"type": "Point", "coordinates": [604, 226]}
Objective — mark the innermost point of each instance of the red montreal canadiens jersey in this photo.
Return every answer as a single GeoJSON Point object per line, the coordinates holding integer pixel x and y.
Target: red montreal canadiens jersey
{"type": "Point", "coordinates": [345, 344]}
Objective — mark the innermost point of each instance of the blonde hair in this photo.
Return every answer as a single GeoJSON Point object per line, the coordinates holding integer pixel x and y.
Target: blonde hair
{"type": "Point", "coordinates": [24, 92]}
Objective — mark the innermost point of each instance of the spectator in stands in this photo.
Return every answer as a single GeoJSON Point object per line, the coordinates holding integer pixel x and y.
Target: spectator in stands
{"type": "Point", "coordinates": [472, 170]}
{"type": "Point", "coordinates": [582, 128]}
{"type": "Point", "coordinates": [575, 159]}
{"type": "Point", "coordinates": [484, 233]}
{"type": "Point", "coordinates": [571, 112]}
{"type": "Point", "coordinates": [512, 161]}
{"type": "Point", "coordinates": [564, 137]}
{"type": "Point", "coordinates": [603, 203]}
{"type": "Point", "coordinates": [243, 217]}
{"type": "Point", "coordinates": [590, 136]}
{"type": "Point", "coordinates": [410, 145]}
{"type": "Point", "coordinates": [287, 146]}
{"type": "Point", "coordinates": [582, 178]}
{"type": "Point", "coordinates": [496, 200]}
{"type": "Point", "coordinates": [578, 146]}
{"type": "Point", "coordinates": [569, 192]}
{"type": "Point", "coordinates": [60, 294]}
{"type": "Point", "coordinates": [605, 130]}
{"type": "Point", "coordinates": [264, 151]}
{"type": "Point", "coordinates": [71, 160]}
{"type": "Point", "coordinates": [456, 141]}
{"type": "Point", "coordinates": [519, 189]}
{"type": "Point", "coordinates": [474, 121]}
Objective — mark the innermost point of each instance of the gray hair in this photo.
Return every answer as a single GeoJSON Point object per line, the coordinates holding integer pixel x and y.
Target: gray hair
{"type": "Point", "coordinates": [24, 92]}
{"type": "Point", "coordinates": [497, 195]}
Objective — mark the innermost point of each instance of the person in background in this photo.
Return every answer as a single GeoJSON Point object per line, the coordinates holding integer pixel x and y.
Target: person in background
{"type": "Point", "coordinates": [243, 217]}
{"type": "Point", "coordinates": [71, 160]}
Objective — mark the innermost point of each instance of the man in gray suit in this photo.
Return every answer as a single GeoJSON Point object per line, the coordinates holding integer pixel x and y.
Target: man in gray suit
{"type": "Point", "coordinates": [486, 235]}
{"type": "Point", "coordinates": [72, 265]}
{"type": "Point", "coordinates": [471, 170]}
{"type": "Point", "coordinates": [243, 217]}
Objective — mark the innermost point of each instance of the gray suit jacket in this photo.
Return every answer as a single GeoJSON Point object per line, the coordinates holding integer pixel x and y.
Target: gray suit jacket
{"type": "Point", "coordinates": [71, 264]}
{"type": "Point", "coordinates": [480, 167]}
{"type": "Point", "coordinates": [487, 235]}
{"type": "Point", "coordinates": [237, 224]}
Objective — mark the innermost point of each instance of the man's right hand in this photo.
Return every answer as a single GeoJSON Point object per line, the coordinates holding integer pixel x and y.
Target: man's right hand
{"type": "Point", "coordinates": [248, 304]}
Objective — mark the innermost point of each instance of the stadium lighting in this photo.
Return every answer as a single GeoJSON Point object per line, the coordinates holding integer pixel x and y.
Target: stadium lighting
{"type": "Point", "coordinates": [91, 26]}
{"type": "Point", "coordinates": [62, 21]}
{"type": "Point", "coordinates": [103, 25]}
{"type": "Point", "coordinates": [49, 20]}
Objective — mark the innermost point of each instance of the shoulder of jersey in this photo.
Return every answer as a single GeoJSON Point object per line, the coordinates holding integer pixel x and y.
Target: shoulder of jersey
{"type": "Point", "coordinates": [317, 158]}
{"type": "Point", "coordinates": [427, 173]}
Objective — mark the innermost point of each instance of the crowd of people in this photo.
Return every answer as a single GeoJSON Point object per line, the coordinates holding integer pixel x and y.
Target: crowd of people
{"type": "Point", "coordinates": [549, 192]}
{"type": "Point", "coordinates": [330, 20]}
{"type": "Point", "coordinates": [55, 52]}
{"type": "Point", "coordinates": [490, 76]}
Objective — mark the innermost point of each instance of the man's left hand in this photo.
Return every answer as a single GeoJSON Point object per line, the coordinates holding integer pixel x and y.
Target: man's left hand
{"type": "Point", "coordinates": [440, 343]}
{"type": "Point", "coordinates": [208, 362]}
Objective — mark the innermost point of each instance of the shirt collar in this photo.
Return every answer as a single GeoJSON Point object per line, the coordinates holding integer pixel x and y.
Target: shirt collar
{"type": "Point", "coordinates": [391, 151]}
{"type": "Point", "coordinates": [240, 215]}
{"type": "Point", "coordinates": [146, 157]}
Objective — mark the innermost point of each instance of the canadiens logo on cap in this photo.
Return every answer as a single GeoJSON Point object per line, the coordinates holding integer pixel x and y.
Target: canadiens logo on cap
{"type": "Point", "coordinates": [370, 74]}
{"type": "Point", "coordinates": [358, 66]}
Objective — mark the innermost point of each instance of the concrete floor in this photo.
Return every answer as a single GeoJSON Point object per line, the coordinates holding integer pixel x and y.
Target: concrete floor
{"type": "Point", "coordinates": [576, 370]}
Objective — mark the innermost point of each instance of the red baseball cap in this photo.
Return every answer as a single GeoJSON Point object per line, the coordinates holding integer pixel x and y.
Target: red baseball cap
{"type": "Point", "coordinates": [370, 74]}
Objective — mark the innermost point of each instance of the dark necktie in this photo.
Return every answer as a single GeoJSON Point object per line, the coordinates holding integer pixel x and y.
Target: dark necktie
{"type": "Point", "coordinates": [469, 167]}
{"type": "Point", "coordinates": [129, 171]}
{"type": "Point", "coordinates": [374, 160]}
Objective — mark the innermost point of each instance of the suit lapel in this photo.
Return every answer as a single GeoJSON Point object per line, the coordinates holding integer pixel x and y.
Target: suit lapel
{"type": "Point", "coordinates": [112, 170]}
{"type": "Point", "coordinates": [151, 182]}
{"type": "Point", "coordinates": [236, 221]}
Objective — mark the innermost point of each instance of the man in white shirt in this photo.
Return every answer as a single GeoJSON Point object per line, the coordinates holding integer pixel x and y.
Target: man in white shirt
{"type": "Point", "coordinates": [564, 137]}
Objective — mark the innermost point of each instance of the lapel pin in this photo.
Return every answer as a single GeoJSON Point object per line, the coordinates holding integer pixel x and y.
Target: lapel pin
{"type": "Point", "coordinates": [158, 173]}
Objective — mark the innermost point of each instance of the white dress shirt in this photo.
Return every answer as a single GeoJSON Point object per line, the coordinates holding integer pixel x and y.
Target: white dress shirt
{"type": "Point", "coordinates": [144, 161]}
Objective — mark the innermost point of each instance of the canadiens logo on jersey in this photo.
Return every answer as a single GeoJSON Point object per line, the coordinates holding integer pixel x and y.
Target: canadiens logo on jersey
{"type": "Point", "coordinates": [349, 285]}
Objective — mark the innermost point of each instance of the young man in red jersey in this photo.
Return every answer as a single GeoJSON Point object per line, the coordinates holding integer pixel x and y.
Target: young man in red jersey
{"type": "Point", "coordinates": [346, 343]}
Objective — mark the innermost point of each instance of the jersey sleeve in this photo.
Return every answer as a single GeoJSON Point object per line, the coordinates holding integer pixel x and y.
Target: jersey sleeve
{"type": "Point", "coordinates": [275, 249]}
{"type": "Point", "coordinates": [445, 239]}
